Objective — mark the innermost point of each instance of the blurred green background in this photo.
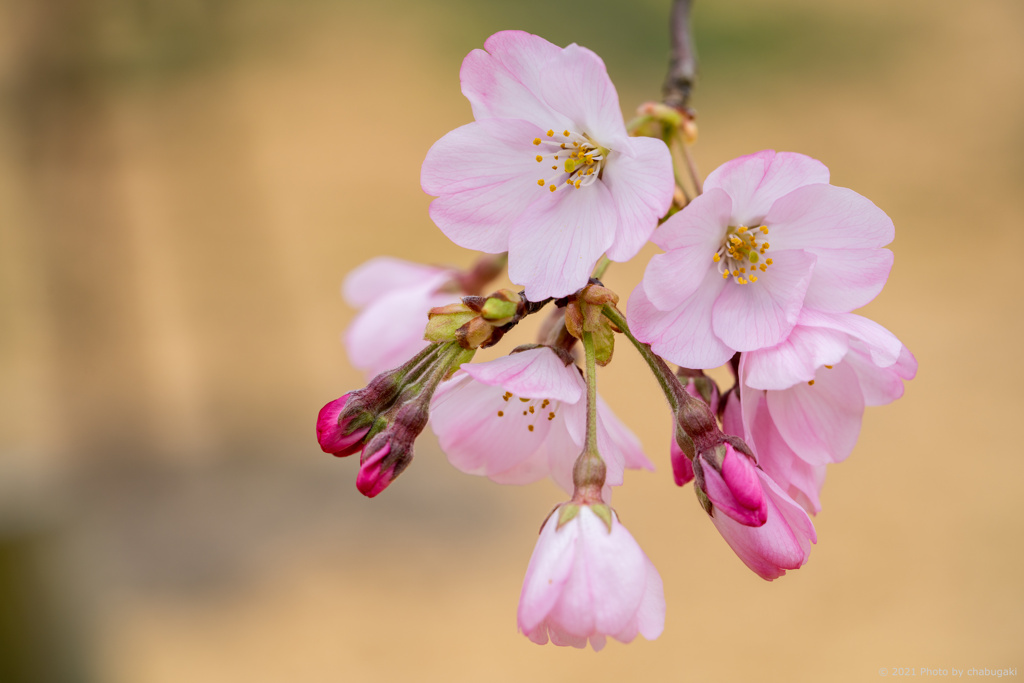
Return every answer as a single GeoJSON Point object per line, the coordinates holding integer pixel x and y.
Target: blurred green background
{"type": "Point", "coordinates": [185, 183]}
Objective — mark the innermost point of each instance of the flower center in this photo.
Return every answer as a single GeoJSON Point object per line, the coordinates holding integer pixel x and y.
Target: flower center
{"type": "Point", "coordinates": [575, 159]}
{"type": "Point", "coordinates": [741, 255]}
{"type": "Point", "coordinates": [532, 409]}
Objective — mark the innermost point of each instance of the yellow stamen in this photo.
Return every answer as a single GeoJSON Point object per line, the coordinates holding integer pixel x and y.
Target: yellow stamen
{"type": "Point", "coordinates": [829, 367]}
{"type": "Point", "coordinates": [536, 141]}
{"type": "Point", "coordinates": [764, 229]}
{"type": "Point", "coordinates": [541, 182]}
{"type": "Point", "coordinates": [539, 158]}
{"type": "Point", "coordinates": [552, 187]}
{"type": "Point", "coordinates": [716, 258]}
{"type": "Point", "coordinates": [811, 383]}
{"type": "Point", "coordinates": [768, 261]}
{"type": "Point", "coordinates": [530, 427]}
{"type": "Point", "coordinates": [501, 413]}
{"type": "Point", "coordinates": [551, 133]}
{"type": "Point", "coordinates": [565, 133]}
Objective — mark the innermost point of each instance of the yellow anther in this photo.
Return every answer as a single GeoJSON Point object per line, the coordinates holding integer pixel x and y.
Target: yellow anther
{"type": "Point", "coordinates": [743, 270]}
{"type": "Point", "coordinates": [829, 367]}
{"type": "Point", "coordinates": [768, 261]}
{"type": "Point", "coordinates": [551, 133]}
{"type": "Point", "coordinates": [501, 413]}
{"type": "Point", "coordinates": [565, 133]}
{"type": "Point", "coordinates": [562, 145]}
{"type": "Point", "coordinates": [577, 184]}
{"type": "Point", "coordinates": [766, 246]}
{"type": "Point", "coordinates": [530, 427]}
{"type": "Point", "coordinates": [541, 182]}
{"type": "Point", "coordinates": [725, 275]}
{"type": "Point", "coordinates": [741, 229]}
{"type": "Point", "coordinates": [753, 278]}
{"type": "Point", "coordinates": [545, 403]}
{"type": "Point", "coordinates": [742, 281]}
{"type": "Point", "coordinates": [524, 412]}
{"type": "Point", "coordinates": [524, 400]}
{"type": "Point", "coordinates": [716, 258]}
{"type": "Point", "coordinates": [539, 158]}
{"type": "Point", "coordinates": [551, 416]}
{"type": "Point", "coordinates": [536, 141]}
{"type": "Point", "coordinates": [552, 187]}
{"type": "Point", "coordinates": [811, 383]}
{"type": "Point", "coordinates": [764, 229]}
{"type": "Point", "coordinates": [556, 156]}
{"type": "Point", "coordinates": [763, 267]}
{"type": "Point", "coordinates": [531, 409]}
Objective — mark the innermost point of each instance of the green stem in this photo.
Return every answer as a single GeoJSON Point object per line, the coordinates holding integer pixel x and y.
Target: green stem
{"type": "Point", "coordinates": [601, 267]}
{"type": "Point", "coordinates": [591, 354]}
{"type": "Point", "coordinates": [666, 379]}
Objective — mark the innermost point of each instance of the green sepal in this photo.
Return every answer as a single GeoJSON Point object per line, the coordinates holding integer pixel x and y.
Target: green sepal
{"type": "Point", "coordinates": [464, 356]}
{"type": "Point", "coordinates": [704, 501]}
{"type": "Point", "coordinates": [604, 344]}
{"type": "Point", "coordinates": [445, 321]}
{"type": "Point", "coordinates": [604, 513]}
{"type": "Point", "coordinates": [566, 514]}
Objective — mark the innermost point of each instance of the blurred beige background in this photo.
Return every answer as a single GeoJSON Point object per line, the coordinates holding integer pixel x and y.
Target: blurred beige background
{"type": "Point", "coordinates": [185, 183]}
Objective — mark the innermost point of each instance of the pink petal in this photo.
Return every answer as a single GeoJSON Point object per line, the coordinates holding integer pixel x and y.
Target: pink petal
{"type": "Point", "coordinates": [881, 385]}
{"type": "Point", "coordinates": [557, 241]}
{"type": "Point", "coordinates": [642, 188]}
{"type": "Point", "coordinates": [795, 360]}
{"type": "Point", "coordinates": [650, 617]}
{"type": "Point", "coordinates": [504, 82]}
{"type": "Point", "coordinates": [682, 335]}
{"type": "Point", "coordinates": [820, 422]}
{"type": "Point", "coordinates": [703, 223]}
{"type": "Point", "coordinates": [827, 217]}
{"type": "Point", "coordinates": [534, 373]}
{"type": "Point", "coordinates": [559, 449]}
{"type": "Point", "coordinates": [484, 175]}
{"type": "Point", "coordinates": [384, 274]}
{"type": "Point", "coordinates": [464, 416]}
{"type": "Point", "coordinates": [782, 543]}
{"type": "Point", "coordinates": [576, 84]}
{"type": "Point", "coordinates": [845, 279]}
{"type": "Point", "coordinates": [550, 567]}
{"type": "Point", "coordinates": [761, 314]}
{"type": "Point", "coordinates": [390, 330]}
{"type": "Point", "coordinates": [883, 345]}
{"type": "Point", "coordinates": [607, 583]}
{"type": "Point", "coordinates": [691, 238]}
{"type": "Point", "coordinates": [756, 181]}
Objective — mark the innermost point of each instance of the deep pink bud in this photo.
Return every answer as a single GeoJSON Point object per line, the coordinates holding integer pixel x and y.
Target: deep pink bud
{"type": "Point", "coordinates": [374, 472]}
{"type": "Point", "coordinates": [682, 467]}
{"type": "Point", "coordinates": [337, 435]}
{"type": "Point", "coordinates": [730, 481]}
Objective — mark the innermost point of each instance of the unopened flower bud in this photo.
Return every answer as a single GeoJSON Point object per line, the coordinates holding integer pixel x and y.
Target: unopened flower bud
{"type": "Point", "coordinates": [445, 321]}
{"type": "Point", "coordinates": [701, 386]}
{"type": "Point", "coordinates": [696, 420]}
{"type": "Point", "coordinates": [339, 432]}
{"type": "Point", "coordinates": [389, 452]}
{"type": "Point", "coordinates": [501, 307]}
{"type": "Point", "coordinates": [729, 480]}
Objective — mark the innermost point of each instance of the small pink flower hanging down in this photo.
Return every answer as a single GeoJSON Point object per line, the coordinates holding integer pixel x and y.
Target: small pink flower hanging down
{"type": "Point", "coordinates": [547, 172]}
{"type": "Point", "coordinates": [395, 297]}
{"type": "Point", "coordinates": [589, 579]}
{"type": "Point", "coordinates": [768, 238]}
{"type": "Point", "coordinates": [522, 417]}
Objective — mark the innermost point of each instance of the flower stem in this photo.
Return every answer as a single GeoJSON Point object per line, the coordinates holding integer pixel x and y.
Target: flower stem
{"type": "Point", "coordinates": [589, 472]}
{"type": "Point", "coordinates": [601, 267]}
{"type": "Point", "coordinates": [591, 354]}
{"type": "Point", "coordinates": [670, 385]}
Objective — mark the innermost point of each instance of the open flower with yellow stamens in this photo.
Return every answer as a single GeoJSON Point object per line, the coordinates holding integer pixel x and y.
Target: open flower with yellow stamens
{"type": "Point", "coordinates": [522, 417]}
{"type": "Point", "coordinates": [547, 172]}
{"type": "Point", "coordinates": [768, 238]}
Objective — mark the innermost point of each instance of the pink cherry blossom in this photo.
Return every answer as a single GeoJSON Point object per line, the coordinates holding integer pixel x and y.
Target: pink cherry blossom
{"type": "Point", "coordinates": [547, 172]}
{"type": "Point", "coordinates": [802, 401]}
{"type": "Point", "coordinates": [522, 417]}
{"type": "Point", "coordinates": [587, 582]}
{"type": "Point", "coordinates": [782, 542]}
{"type": "Point", "coordinates": [768, 238]}
{"type": "Point", "coordinates": [395, 297]}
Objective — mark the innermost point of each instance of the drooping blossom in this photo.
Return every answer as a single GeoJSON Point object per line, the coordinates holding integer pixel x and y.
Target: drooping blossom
{"type": "Point", "coordinates": [768, 238]}
{"type": "Point", "coordinates": [547, 172]}
{"type": "Point", "coordinates": [587, 580]}
{"type": "Point", "coordinates": [782, 542]}
{"type": "Point", "coordinates": [395, 297]}
{"type": "Point", "coordinates": [522, 417]}
{"type": "Point", "coordinates": [802, 402]}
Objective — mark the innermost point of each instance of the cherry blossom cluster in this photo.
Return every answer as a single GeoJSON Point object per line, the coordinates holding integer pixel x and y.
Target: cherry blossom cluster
{"type": "Point", "coordinates": [763, 264]}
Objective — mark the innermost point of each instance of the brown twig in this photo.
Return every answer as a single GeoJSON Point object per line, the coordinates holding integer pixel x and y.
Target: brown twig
{"type": "Point", "coordinates": [682, 67]}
